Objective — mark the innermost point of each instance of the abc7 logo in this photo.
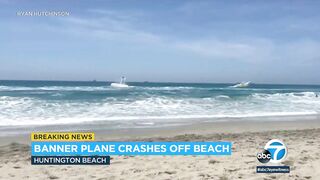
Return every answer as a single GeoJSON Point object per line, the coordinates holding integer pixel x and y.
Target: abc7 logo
{"type": "Point", "coordinates": [275, 151]}
{"type": "Point", "coordinates": [264, 156]}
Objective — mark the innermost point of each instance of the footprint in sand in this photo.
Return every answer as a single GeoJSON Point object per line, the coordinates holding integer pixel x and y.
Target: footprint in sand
{"type": "Point", "coordinates": [288, 162]}
{"type": "Point", "coordinates": [53, 177]}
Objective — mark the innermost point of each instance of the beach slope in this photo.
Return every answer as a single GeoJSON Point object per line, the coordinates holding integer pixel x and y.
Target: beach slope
{"type": "Point", "coordinates": [303, 144]}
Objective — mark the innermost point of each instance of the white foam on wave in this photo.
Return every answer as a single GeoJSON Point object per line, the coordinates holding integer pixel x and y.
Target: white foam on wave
{"type": "Point", "coordinates": [223, 97]}
{"type": "Point", "coordinates": [27, 111]}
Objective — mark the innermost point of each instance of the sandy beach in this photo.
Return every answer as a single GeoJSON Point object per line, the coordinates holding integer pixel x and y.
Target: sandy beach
{"type": "Point", "coordinates": [301, 137]}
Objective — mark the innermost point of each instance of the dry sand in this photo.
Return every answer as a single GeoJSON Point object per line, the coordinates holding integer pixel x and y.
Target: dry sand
{"type": "Point", "coordinates": [301, 138]}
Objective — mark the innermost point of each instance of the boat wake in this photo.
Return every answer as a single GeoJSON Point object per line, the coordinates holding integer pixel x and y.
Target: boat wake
{"type": "Point", "coordinates": [121, 84]}
{"type": "Point", "coordinates": [242, 85]}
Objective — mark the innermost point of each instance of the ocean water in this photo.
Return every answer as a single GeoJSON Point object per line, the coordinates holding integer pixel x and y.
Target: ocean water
{"type": "Point", "coordinates": [57, 102]}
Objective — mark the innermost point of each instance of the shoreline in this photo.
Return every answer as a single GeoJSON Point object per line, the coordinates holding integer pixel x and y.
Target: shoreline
{"type": "Point", "coordinates": [198, 128]}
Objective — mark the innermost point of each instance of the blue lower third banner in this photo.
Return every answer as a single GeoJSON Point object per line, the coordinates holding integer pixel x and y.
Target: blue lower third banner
{"type": "Point", "coordinates": [129, 148]}
{"type": "Point", "coordinates": [70, 160]}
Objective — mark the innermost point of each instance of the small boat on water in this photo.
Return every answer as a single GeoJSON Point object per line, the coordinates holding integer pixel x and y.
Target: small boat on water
{"type": "Point", "coordinates": [121, 84]}
{"type": "Point", "coordinates": [242, 84]}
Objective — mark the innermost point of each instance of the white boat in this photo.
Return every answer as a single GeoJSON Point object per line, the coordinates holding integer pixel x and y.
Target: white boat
{"type": "Point", "coordinates": [122, 83]}
{"type": "Point", "coordinates": [242, 84]}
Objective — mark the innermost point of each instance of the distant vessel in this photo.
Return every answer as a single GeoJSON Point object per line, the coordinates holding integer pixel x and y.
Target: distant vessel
{"type": "Point", "coordinates": [242, 84]}
{"type": "Point", "coordinates": [122, 83]}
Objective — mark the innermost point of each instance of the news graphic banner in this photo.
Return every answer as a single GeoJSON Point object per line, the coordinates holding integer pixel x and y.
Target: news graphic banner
{"type": "Point", "coordinates": [130, 148]}
{"type": "Point", "coordinates": [63, 136]}
{"type": "Point", "coordinates": [56, 137]}
{"type": "Point", "coordinates": [82, 149]}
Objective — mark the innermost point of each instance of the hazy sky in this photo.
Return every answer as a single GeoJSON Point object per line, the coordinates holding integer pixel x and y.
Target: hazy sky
{"type": "Point", "coordinates": [185, 41]}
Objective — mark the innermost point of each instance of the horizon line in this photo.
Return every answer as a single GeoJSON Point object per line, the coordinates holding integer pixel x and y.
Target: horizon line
{"type": "Point", "coordinates": [158, 82]}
